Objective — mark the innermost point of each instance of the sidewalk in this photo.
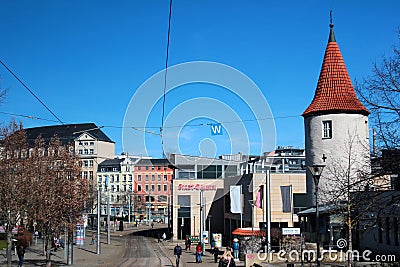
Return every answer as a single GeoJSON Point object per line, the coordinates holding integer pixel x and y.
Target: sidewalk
{"type": "Point", "coordinates": [188, 258]}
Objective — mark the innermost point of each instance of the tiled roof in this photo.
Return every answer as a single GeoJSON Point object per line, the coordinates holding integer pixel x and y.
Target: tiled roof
{"type": "Point", "coordinates": [67, 132]}
{"type": "Point", "coordinates": [248, 232]}
{"type": "Point", "coordinates": [335, 92]}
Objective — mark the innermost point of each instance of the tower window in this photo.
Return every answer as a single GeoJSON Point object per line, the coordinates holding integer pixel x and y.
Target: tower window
{"type": "Point", "coordinates": [327, 129]}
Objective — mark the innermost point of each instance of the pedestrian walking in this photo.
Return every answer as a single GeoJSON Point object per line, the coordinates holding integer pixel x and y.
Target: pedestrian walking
{"type": "Point", "coordinates": [164, 236]}
{"type": "Point", "coordinates": [199, 251]}
{"type": "Point", "coordinates": [177, 253]}
{"type": "Point", "coordinates": [93, 239]}
{"type": "Point", "coordinates": [215, 251]}
{"type": "Point", "coordinates": [188, 243]}
{"type": "Point", "coordinates": [236, 248]}
{"type": "Point", "coordinates": [20, 253]}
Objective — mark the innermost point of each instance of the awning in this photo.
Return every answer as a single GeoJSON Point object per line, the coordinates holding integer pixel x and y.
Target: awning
{"type": "Point", "coordinates": [248, 232]}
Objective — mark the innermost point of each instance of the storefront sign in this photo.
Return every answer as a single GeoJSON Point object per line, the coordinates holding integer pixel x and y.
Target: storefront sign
{"type": "Point", "coordinates": [196, 187]}
{"type": "Point", "coordinates": [290, 231]}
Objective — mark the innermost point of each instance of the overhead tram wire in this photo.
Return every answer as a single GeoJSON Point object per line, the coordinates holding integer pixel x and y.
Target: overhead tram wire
{"type": "Point", "coordinates": [165, 78]}
{"type": "Point", "coordinates": [32, 93]}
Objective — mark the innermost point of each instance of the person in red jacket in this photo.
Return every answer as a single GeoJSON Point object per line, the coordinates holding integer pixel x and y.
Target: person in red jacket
{"type": "Point", "coordinates": [199, 251]}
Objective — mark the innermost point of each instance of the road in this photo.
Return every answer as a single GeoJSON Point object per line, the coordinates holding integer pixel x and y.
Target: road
{"type": "Point", "coordinates": [142, 251]}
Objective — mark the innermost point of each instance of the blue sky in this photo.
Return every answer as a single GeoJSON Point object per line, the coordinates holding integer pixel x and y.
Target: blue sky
{"type": "Point", "coordinates": [86, 59]}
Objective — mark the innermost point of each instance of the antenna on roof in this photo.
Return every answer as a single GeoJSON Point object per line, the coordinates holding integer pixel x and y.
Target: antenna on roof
{"type": "Point", "coordinates": [330, 16]}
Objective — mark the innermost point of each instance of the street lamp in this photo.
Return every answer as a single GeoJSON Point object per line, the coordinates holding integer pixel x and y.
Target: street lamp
{"type": "Point", "coordinates": [316, 171]}
{"type": "Point", "coordinates": [252, 225]}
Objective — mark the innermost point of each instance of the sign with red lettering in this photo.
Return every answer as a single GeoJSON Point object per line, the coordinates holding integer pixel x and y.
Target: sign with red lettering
{"type": "Point", "coordinates": [196, 187]}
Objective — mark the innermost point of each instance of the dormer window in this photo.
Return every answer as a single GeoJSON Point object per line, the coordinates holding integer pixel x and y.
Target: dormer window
{"type": "Point", "coordinates": [327, 129]}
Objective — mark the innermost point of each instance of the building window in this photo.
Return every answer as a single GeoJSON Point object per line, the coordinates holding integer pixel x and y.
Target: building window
{"type": "Point", "coordinates": [147, 187]}
{"type": "Point", "coordinates": [115, 169]}
{"type": "Point", "coordinates": [152, 167]}
{"type": "Point", "coordinates": [153, 177]}
{"type": "Point", "coordinates": [147, 177]}
{"type": "Point", "coordinates": [139, 177]}
{"type": "Point", "coordinates": [147, 168]}
{"type": "Point", "coordinates": [165, 178]}
{"type": "Point", "coordinates": [117, 177]}
{"type": "Point", "coordinates": [165, 187]}
{"type": "Point", "coordinates": [139, 167]}
{"type": "Point", "coordinates": [129, 177]}
{"type": "Point", "coordinates": [139, 187]}
{"type": "Point", "coordinates": [85, 163]}
{"type": "Point", "coordinates": [91, 175]}
{"type": "Point", "coordinates": [327, 129]}
{"type": "Point", "coordinates": [159, 177]}
{"type": "Point", "coordinates": [90, 163]}
{"type": "Point", "coordinates": [80, 151]}
{"type": "Point", "coordinates": [85, 175]}
{"type": "Point", "coordinates": [152, 187]}
{"type": "Point", "coordinates": [165, 168]}
{"type": "Point", "coordinates": [91, 151]}
{"type": "Point", "coordinates": [124, 177]}
{"type": "Point", "coordinates": [92, 143]}
{"type": "Point", "coordinates": [99, 178]}
{"type": "Point", "coordinates": [158, 187]}
{"type": "Point", "coordinates": [111, 178]}
{"type": "Point", "coordinates": [159, 168]}
{"type": "Point", "coordinates": [130, 188]}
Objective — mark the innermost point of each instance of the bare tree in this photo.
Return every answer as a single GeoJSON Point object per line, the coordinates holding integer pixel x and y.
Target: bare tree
{"type": "Point", "coordinates": [13, 152]}
{"type": "Point", "coordinates": [381, 93]}
{"type": "Point", "coordinates": [60, 190]}
{"type": "Point", "coordinates": [348, 176]}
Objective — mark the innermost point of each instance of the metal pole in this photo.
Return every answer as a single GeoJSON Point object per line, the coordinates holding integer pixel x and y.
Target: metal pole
{"type": "Point", "coordinates": [252, 227]}
{"type": "Point", "coordinates": [241, 207]}
{"type": "Point", "coordinates": [98, 221]}
{"type": "Point", "coordinates": [108, 218]}
{"type": "Point", "coordinates": [268, 207]}
{"type": "Point", "coordinates": [317, 221]}
{"type": "Point", "coordinates": [201, 211]}
{"type": "Point", "coordinates": [129, 208]}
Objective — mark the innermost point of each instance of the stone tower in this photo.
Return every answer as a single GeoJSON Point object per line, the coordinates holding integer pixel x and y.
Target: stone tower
{"type": "Point", "coordinates": [335, 123]}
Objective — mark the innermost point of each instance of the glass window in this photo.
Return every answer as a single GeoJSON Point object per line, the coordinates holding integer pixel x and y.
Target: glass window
{"type": "Point", "coordinates": [159, 168]}
{"type": "Point", "coordinates": [85, 151]}
{"type": "Point", "coordinates": [153, 178]}
{"type": "Point", "coordinates": [80, 151]}
{"type": "Point", "coordinates": [159, 177]}
{"type": "Point", "coordinates": [147, 168]}
{"type": "Point", "coordinates": [92, 143]}
{"type": "Point", "coordinates": [91, 175]}
{"type": "Point", "coordinates": [99, 178]}
{"type": "Point", "coordinates": [129, 177]}
{"type": "Point", "coordinates": [85, 175]}
{"type": "Point", "coordinates": [91, 151]}
{"type": "Point", "coordinates": [90, 163]}
{"type": "Point", "coordinates": [147, 187]}
{"type": "Point", "coordinates": [165, 168]}
{"type": "Point", "coordinates": [139, 167]}
{"type": "Point", "coordinates": [85, 163]}
{"type": "Point", "coordinates": [165, 178]}
{"type": "Point", "coordinates": [139, 187]}
{"type": "Point", "coordinates": [158, 187]}
{"type": "Point", "coordinates": [147, 177]}
{"type": "Point", "coordinates": [139, 177]}
{"type": "Point", "coordinates": [152, 187]}
{"type": "Point", "coordinates": [165, 187]}
{"type": "Point", "coordinates": [327, 129]}
{"type": "Point", "coordinates": [124, 177]}
{"type": "Point", "coordinates": [117, 177]}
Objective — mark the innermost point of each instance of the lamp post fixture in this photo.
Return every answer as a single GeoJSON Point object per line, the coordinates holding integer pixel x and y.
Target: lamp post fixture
{"type": "Point", "coordinates": [316, 171]}
{"type": "Point", "coordinates": [252, 225]}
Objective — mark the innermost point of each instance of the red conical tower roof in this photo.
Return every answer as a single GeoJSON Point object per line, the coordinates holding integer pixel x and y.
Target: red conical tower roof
{"type": "Point", "coordinates": [335, 92]}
